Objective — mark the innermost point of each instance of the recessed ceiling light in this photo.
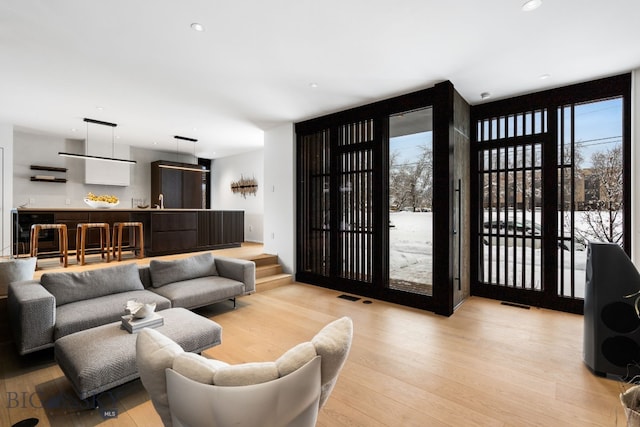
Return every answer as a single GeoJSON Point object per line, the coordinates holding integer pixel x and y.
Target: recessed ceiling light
{"type": "Point", "coordinates": [74, 130]}
{"type": "Point", "coordinates": [197, 27]}
{"type": "Point", "coordinates": [485, 95]}
{"type": "Point", "coordinates": [99, 108]}
{"type": "Point", "coordinates": [544, 76]}
{"type": "Point", "coordinates": [313, 85]}
{"type": "Point", "coordinates": [531, 5]}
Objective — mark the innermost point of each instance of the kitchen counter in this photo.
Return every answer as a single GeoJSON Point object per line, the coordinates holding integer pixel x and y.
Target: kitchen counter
{"type": "Point", "coordinates": [166, 231]}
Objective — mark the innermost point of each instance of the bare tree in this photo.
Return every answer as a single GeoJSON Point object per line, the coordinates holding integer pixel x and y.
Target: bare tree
{"type": "Point", "coordinates": [603, 214]}
{"type": "Point", "coordinates": [411, 183]}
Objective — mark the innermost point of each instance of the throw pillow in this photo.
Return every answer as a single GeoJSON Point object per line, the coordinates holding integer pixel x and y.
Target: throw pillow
{"type": "Point", "coordinates": [71, 287]}
{"type": "Point", "coordinates": [155, 353]}
{"type": "Point", "coordinates": [332, 343]}
{"type": "Point", "coordinates": [16, 270]}
{"type": "Point", "coordinates": [165, 272]}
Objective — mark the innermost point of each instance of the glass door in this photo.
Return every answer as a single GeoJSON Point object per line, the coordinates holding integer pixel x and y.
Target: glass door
{"type": "Point", "coordinates": [511, 174]}
{"type": "Point", "coordinates": [410, 202]}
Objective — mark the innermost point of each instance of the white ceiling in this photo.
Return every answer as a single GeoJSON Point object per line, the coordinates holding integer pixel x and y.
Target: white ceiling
{"type": "Point", "coordinates": [252, 67]}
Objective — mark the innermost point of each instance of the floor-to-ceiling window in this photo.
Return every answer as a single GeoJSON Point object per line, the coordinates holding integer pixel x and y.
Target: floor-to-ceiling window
{"type": "Point", "coordinates": [366, 190]}
{"type": "Point", "coordinates": [590, 185]}
{"type": "Point", "coordinates": [552, 173]}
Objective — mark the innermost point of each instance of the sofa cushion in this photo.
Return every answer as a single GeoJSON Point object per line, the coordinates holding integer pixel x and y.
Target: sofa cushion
{"type": "Point", "coordinates": [81, 315]}
{"type": "Point", "coordinates": [155, 353]}
{"type": "Point", "coordinates": [145, 275]}
{"type": "Point", "coordinates": [71, 287]}
{"type": "Point", "coordinates": [165, 272]}
{"type": "Point", "coordinates": [16, 270]}
{"type": "Point", "coordinates": [200, 291]}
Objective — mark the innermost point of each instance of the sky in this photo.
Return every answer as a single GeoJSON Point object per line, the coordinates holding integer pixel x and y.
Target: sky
{"type": "Point", "coordinates": [598, 126]}
{"type": "Point", "coordinates": [409, 147]}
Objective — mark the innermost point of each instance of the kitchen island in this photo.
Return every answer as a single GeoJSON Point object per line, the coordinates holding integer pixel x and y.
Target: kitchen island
{"type": "Point", "coordinates": [166, 231]}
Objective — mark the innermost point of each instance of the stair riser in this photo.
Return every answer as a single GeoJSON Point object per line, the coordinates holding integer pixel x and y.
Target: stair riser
{"type": "Point", "coordinates": [263, 260]}
{"type": "Point", "coordinates": [268, 270]}
{"type": "Point", "coordinates": [271, 284]}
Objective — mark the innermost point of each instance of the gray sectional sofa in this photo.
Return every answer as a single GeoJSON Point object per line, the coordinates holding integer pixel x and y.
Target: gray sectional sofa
{"type": "Point", "coordinates": [60, 304]}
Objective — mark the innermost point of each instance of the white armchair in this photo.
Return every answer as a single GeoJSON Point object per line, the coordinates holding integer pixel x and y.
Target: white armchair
{"type": "Point", "coordinates": [189, 390]}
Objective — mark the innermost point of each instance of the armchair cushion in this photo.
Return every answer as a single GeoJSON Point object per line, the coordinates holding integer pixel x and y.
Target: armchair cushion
{"type": "Point", "coordinates": [246, 374]}
{"type": "Point", "coordinates": [155, 353]}
{"type": "Point", "coordinates": [196, 367]}
{"type": "Point", "coordinates": [332, 343]}
{"type": "Point", "coordinates": [295, 358]}
{"type": "Point", "coordinates": [290, 401]}
{"type": "Point", "coordinates": [165, 272]}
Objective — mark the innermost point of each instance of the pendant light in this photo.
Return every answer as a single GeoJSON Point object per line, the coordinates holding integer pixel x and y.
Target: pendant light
{"type": "Point", "coordinates": [102, 158]}
{"type": "Point", "coordinates": [184, 167]}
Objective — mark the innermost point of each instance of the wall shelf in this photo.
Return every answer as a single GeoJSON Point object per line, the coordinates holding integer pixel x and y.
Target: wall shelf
{"type": "Point", "coordinates": [47, 168]}
{"type": "Point", "coordinates": [48, 178]}
{"type": "Point", "coordinates": [35, 178]}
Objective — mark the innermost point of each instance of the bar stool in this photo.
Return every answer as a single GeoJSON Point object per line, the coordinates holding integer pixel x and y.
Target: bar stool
{"type": "Point", "coordinates": [137, 229]}
{"type": "Point", "coordinates": [63, 244]}
{"type": "Point", "coordinates": [81, 239]}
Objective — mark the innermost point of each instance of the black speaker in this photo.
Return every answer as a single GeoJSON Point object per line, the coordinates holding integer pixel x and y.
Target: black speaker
{"type": "Point", "coordinates": [611, 325]}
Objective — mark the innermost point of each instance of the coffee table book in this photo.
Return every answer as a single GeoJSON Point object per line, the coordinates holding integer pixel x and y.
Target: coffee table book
{"type": "Point", "coordinates": [134, 325]}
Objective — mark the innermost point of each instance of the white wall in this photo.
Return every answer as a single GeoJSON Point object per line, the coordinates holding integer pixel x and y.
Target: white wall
{"type": "Point", "coordinates": [228, 169]}
{"type": "Point", "coordinates": [36, 149]}
{"type": "Point", "coordinates": [280, 195]}
{"type": "Point", "coordinates": [6, 188]}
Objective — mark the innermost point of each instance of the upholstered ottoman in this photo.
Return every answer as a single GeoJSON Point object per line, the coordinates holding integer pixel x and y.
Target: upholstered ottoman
{"type": "Point", "coordinates": [100, 358]}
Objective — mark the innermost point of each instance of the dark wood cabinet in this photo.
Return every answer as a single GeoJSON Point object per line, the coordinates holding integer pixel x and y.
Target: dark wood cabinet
{"type": "Point", "coordinates": [181, 189]}
{"type": "Point", "coordinates": [220, 227]}
{"type": "Point", "coordinates": [174, 231]}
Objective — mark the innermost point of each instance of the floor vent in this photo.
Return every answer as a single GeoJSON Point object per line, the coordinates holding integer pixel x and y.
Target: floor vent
{"type": "Point", "coordinates": [349, 297]}
{"type": "Point", "coordinates": [515, 304]}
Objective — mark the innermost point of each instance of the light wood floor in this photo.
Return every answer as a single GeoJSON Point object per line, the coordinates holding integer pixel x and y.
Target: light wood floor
{"type": "Point", "coordinates": [487, 365]}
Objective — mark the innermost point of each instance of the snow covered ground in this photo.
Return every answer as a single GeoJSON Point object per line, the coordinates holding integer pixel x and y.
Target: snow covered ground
{"type": "Point", "coordinates": [411, 248]}
{"type": "Point", "coordinates": [411, 254]}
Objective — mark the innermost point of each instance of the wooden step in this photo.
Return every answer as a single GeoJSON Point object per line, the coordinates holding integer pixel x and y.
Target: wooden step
{"type": "Point", "coordinates": [264, 259]}
{"type": "Point", "coordinates": [269, 273]}
{"type": "Point", "coordinates": [268, 270]}
{"type": "Point", "coordinates": [274, 281]}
